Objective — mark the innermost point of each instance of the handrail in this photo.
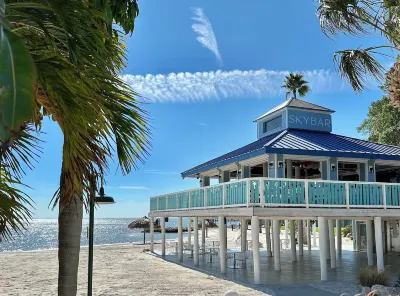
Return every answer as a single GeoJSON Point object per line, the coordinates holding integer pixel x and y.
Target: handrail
{"type": "Point", "coordinates": [355, 194]}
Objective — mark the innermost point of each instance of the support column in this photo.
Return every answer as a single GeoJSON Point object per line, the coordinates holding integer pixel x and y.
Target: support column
{"type": "Point", "coordinates": [203, 236]}
{"type": "Point", "coordinates": [355, 235]}
{"type": "Point", "coordinates": [286, 229]}
{"type": "Point", "coordinates": [243, 235]}
{"type": "Point", "coordinates": [322, 248]}
{"type": "Point", "coordinates": [379, 243]}
{"type": "Point", "coordinates": [301, 235]}
{"type": "Point", "coordinates": [332, 243]}
{"type": "Point", "coordinates": [297, 172]}
{"type": "Point", "coordinates": [268, 237]}
{"type": "Point", "coordinates": [289, 169]}
{"type": "Point", "coordinates": [328, 254]}
{"type": "Point", "coordinates": [309, 235]}
{"type": "Point", "coordinates": [152, 234]}
{"type": "Point", "coordinates": [189, 230]}
{"type": "Point", "coordinates": [293, 240]}
{"type": "Point", "coordinates": [276, 225]}
{"type": "Point", "coordinates": [196, 241]}
{"type": "Point", "coordinates": [370, 243]}
{"type": "Point", "coordinates": [265, 169]}
{"type": "Point", "coordinates": [314, 231]}
{"type": "Point", "coordinates": [180, 240]}
{"type": "Point", "coordinates": [272, 238]}
{"type": "Point", "coordinates": [256, 248]}
{"type": "Point", "coordinates": [339, 236]}
{"type": "Point", "coordinates": [163, 236]}
{"type": "Point", "coordinates": [222, 243]}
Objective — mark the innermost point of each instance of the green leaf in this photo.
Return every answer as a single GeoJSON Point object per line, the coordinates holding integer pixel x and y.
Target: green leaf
{"type": "Point", "coordinates": [17, 86]}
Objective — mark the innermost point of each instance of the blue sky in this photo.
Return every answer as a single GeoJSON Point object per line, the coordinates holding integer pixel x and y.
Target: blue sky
{"type": "Point", "coordinates": [203, 101]}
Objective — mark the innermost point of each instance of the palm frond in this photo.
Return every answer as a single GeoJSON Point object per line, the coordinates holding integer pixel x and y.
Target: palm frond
{"type": "Point", "coordinates": [303, 90]}
{"type": "Point", "coordinates": [357, 65]}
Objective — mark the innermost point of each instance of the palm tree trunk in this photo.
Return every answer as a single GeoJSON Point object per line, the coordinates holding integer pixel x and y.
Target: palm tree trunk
{"type": "Point", "coordinates": [69, 241]}
{"type": "Point", "coordinates": [294, 94]}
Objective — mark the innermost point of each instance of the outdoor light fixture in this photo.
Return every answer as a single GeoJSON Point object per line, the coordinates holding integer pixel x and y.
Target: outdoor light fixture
{"type": "Point", "coordinates": [371, 169]}
{"type": "Point", "coordinates": [166, 219]}
{"type": "Point", "coordinates": [280, 164]}
{"type": "Point", "coordinates": [198, 176]}
{"type": "Point", "coordinates": [224, 220]}
{"type": "Point", "coordinates": [271, 164]}
{"type": "Point", "coordinates": [333, 167]}
{"type": "Point", "coordinates": [99, 199]}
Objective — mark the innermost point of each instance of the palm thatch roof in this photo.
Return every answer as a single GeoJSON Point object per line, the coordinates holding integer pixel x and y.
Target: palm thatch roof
{"type": "Point", "coordinates": [140, 223]}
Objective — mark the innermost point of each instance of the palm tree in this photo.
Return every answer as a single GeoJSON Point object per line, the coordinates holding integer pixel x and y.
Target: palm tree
{"type": "Point", "coordinates": [364, 17]}
{"type": "Point", "coordinates": [77, 58]}
{"type": "Point", "coordinates": [294, 83]}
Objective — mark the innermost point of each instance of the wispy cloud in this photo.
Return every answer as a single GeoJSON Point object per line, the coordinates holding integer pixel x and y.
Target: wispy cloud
{"type": "Point", "coordinates": [160, 172]}
{"type": "Point", "coordinates": [134, 187]}
{"type": "Point", "coordinates": [214, 85]}
{"type": "Point", "coordinates": [202, 124]}
{"type": "Point", "coordinates": [205, 33]}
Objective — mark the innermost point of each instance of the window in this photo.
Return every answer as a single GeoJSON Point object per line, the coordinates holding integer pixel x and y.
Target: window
{"type": "Point", "coordinates": [273, 124]}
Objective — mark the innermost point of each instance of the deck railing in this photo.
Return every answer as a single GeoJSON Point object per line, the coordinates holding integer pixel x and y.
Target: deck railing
{"type": "Point", "coordinates": [266, 192]}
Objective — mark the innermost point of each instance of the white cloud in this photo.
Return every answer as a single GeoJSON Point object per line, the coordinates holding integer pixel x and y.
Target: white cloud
{"type": "Point", "coordinates": [160, 172]}
{"type": "Point", "coordinates": [202, 124]}
{"type": "Point", "coordinates": [134, 187]}
{"type": "Point", "coordinates": [205, 33]}
{"type": "Point", "coordinates": [214, 85]}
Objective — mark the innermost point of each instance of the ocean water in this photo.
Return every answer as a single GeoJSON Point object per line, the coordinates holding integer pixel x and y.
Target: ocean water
{"type": "Point", "coordinates": [43, 234]}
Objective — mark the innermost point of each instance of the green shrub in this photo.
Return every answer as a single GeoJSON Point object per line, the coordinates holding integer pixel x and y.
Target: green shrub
{"type": "Point", "coordinates": [347, 229]}
{"type": "Point", "coordinates": [370, 276]}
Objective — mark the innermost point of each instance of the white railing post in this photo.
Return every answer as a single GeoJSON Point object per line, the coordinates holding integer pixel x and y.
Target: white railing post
{"type": "Point", "coordinates": [248, 192]}
{"type": "Point", "coordinates": [223, 195]}
{"type": "Point", "coordinates": [205, 196]}
{"type": "Point", "coordinates": [306, 193]}
{"type": "Point", "coordinates": [384, 195]}
{"type": "Point", "coordinates": [261, 192]}
{"type": "Point", "coordinates": [347, 194]}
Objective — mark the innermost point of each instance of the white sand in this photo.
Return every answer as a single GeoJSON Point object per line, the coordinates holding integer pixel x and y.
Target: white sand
{"type": "Point", "coordinates": [118, 270]}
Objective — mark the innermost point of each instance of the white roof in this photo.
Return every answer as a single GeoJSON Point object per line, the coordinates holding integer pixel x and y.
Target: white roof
{"type": "Point", "coordinates": [297, 104]}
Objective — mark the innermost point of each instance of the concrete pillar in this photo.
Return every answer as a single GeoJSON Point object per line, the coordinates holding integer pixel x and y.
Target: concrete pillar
{"type": "Point", "coordinates": [276, 225]}
{"type": "Point", "coordinates": [314, 231]}
{"type": "Point", "coordinates": [286, 229]}
{"type": "Point", "coordinates": [152, 234]}
{"type": "Point", "coordinates": [355, 235]}
{"type": "Point", "coordinates": [339, 236]}
{"type": "Point", "coordinates": [224, 176]}
{"type": "Point", "coordinates": [256, 248]}
{"type": "Point", "coordinates": [333, 168]}
{"type": "Point", "coordinates": [196, 241]}
{"type": "Point", "coordinates": [222, 243]}
{"type": "Point", "coordinates": [323, 248]}
{"type": "Point", "coordinates": [328, 254]}
{"type": "Point", "coordinates": [180, 239]}
{"type": "Point", "coordinates": [163, 236]}
{"type": "Point", "coordinates": [371, 174]}
{"type": "Point", "coordinates": [289, 169]}
{"type": "Point", "coordinates": [243, 235]}
{"type": "Point", "coordinates": [301, 242]}
{"type": "Point", "coordinates": [204, 181]}
{"type": "Point", "coordinates": [370, 243]}
{"type": "Point", "coordinates": [272, 238]}
{"type": "Point", "coordinates": [293, 240]}
{"type": "Point", "coordinates": [332, 243]}
{"type": "Point", "coordinates": [379, 243]}
{"type": "Point", "coordinates": [268, 237]}
{"type": "Point", "coordinates": [297, 172]}
{"type": "Point", "coordinates": [309, 235]}
{"type": "Point", "coordinates": [203, 235]}
{"type": "Point", "coordinates": [265, 169]}
{"type": "Point", "coordinates": [189, 230]}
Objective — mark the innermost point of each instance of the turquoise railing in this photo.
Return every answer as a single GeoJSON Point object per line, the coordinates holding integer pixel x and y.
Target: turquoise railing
{"type": "Point", "coordinates": [283, 192]}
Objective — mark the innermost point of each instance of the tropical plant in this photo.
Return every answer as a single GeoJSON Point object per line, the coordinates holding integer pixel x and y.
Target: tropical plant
{"type": "Point", "coordinates": [77, 57]}
{"type": "Point", "coordinates": [358, 18]}
{"type": "Point", "coordinates": [383, 123]}
{"type": "Point", "coordinates": [346, 230]}
{"type": "Point", "coordinates": [295, 83]}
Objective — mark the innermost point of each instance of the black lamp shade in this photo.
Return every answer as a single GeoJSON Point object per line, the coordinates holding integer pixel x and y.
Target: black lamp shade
{"type": "Point", "coordinates": [103, 199]}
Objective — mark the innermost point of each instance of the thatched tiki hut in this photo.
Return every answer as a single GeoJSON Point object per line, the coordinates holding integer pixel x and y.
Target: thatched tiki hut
{"type": "Point", "coordinates": [142, 223]}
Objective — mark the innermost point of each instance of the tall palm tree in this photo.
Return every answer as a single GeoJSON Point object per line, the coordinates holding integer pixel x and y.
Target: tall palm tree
{"type": "Point", "coordinates": [77, 58]}
{"type": "Point", "coordinates": [294, 83]}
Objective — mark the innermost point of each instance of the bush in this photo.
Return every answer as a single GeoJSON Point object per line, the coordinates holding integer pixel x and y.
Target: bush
{"type": "Point", "coordinates": [370, 276]}
{"type": "Point", "coordinates": [347, 229]}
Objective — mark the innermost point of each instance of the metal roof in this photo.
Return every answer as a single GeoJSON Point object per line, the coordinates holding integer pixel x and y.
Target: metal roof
{"type": "Point", "coordinates": [295, 103]}
{"type": "Point", "coordinates": [299, 142]}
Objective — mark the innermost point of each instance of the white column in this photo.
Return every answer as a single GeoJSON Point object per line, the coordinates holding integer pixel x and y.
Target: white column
{"type": "Point", "coordinates": [163, 236]}
{"type": "Point", "coordinates": [180, 240]}
{"type": "Point", "coordinates": [152, 234]}
{"type": "Point", "coordinates": [314, 231]}
{"type": "Point", "coordinates": [276, 225]}
{"type": "Point", "coordinates": [243, 235]}
{"type": "Point", "coordinates": [322, 248]}
{"type": "Point", "coordinates": [370, 243]}
{"type": "Point", "coordinates": [222, 243]}
{"type": "Point", "coordinates": [379, 243]}
{"type": "Point", "coordinates": [272, 238]}
{"type": "Point", "coordinates": [297, 172]}
{"type": "Point", "coordinates": [332, 243]}
{"type": "Point", "coordinates": [190, 230]}
{"type": "Point", "coordinates": [196, 241]}
{"type": "Point", "coordinates": [301, 243]}
{"type": "Point", "coordinates": [309, 235]}
{"type": "Point", "coordinates": [339, 236]}
{"type": "Point", "coordinates": [203, 235]}
{"type": "Point", "coordinates": [293, 240]}
{"type": "Point", "coordinates": [255, 223]}
{"type": "Point", "coordinates": [286, 229]}
{"type": "Point", "coordinates": [328, 254]}
{"type": "Point", "coordinates": [289, 169]}
{"type": "Point", "coordinates": [268, 237]}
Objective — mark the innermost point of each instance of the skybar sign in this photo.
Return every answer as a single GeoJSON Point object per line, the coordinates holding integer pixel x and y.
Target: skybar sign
{"type": "Point", "coordinates": [309, 121]}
